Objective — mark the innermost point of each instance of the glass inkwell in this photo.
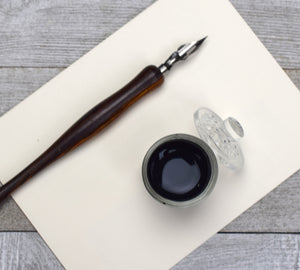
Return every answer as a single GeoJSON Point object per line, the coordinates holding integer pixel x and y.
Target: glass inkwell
{"type": "Point", "coordinates": [180, 170]}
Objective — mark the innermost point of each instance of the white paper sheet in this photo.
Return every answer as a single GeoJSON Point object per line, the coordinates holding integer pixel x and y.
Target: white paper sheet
{"type": "Point", "coordinates": [91, 207]}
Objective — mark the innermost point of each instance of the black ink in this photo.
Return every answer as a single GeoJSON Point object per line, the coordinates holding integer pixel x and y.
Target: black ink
{"type": "Point", "coordinates": [179, 170]}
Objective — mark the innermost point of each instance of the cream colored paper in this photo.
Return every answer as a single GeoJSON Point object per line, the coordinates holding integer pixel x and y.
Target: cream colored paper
{"type": "Point", "coordinates": [91, 207]}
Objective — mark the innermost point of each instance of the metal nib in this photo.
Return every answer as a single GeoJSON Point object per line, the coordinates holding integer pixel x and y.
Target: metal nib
{"type": "Point", "coordinates": [182, 53]}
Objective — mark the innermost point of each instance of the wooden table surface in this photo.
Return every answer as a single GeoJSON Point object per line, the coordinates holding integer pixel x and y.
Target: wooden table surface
{"type": "Point", "coordinates": [39, 38]}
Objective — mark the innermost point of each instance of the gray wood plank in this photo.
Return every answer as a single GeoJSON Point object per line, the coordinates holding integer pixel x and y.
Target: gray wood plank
{"type": "Point", "coordinates": [28, 251]}
{"type": "Point", "coordinates": [245, 251]}
{"type": "Point", "coordinates": [56, 33]}
{"type": "Point", "coordinates": [12, 218]}
{"type": "Point", "coordinates": [275, 213]}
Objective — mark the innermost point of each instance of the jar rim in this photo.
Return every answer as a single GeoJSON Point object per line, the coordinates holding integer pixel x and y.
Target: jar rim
{"type": "Point", "coordinates": [212, 159]}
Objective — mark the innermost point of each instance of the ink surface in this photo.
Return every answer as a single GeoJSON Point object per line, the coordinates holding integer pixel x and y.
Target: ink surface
{"type": "Point", "coordinates": [179, 170]}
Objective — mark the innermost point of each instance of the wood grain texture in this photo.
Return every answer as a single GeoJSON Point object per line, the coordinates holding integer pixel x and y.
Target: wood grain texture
{"type": "Point", "coordinates": [56, 33]}
{"type": "Point", "coordinates": [27, 251]}
{"type": "Point", "coordinates": [245, 251]}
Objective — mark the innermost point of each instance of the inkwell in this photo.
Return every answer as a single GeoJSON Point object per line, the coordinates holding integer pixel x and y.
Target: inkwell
{"type": "Point", "coordinates": [180, 170]}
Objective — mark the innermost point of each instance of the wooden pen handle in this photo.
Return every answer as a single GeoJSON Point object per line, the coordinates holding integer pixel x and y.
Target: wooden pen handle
{"type": "Point", "coordinates": [90, 124]}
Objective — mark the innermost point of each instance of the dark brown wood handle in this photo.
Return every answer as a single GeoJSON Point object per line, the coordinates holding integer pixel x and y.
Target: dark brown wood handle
{"type": "Point", "coordinates": [89, 125]}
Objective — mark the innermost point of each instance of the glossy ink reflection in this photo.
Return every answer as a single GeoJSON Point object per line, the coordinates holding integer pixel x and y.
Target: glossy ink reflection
{"type": "Point", "coordinates": [179, 170]}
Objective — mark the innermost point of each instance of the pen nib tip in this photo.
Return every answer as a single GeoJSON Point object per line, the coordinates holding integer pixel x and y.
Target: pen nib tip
{"type": "Point", "coordinates": [199, 42]}
{"type": "Point", "coordinates": [182, 53]}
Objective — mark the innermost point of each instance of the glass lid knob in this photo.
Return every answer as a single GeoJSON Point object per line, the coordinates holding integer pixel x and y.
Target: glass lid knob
{"type": "Point", "coordinates": [222, 136]}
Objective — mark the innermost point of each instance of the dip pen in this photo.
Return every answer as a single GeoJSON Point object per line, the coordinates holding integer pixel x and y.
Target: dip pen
{"type": "Point", "coordinates": [100, 116]}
